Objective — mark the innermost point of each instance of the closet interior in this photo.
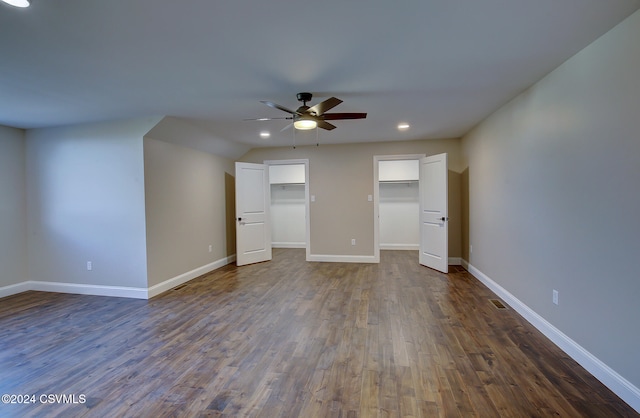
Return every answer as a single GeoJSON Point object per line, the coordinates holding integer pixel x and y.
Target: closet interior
{"type": "Point", "coordinates": [288, 205]}
{"type": "Point", "coordinates": [398, 205]}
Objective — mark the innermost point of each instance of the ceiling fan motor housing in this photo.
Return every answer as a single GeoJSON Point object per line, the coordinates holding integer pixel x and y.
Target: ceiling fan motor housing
{"type": "Point", "coordinates": [304, 97]}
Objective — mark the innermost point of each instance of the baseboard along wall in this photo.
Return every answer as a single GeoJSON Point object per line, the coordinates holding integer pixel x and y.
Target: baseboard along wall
{"type": "Point", "coordinates": [605, 374]}
{"type": "Point", "coordinates": [114, 291]}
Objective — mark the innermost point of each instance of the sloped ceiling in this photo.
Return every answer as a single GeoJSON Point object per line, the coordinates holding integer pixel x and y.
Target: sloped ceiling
{"type": "Point", "coordinates": [439, 65]}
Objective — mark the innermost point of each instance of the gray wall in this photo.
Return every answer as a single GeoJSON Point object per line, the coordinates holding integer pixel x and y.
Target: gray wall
{"type": "Point", "coordinates": [85, 194]}
{"type": "Point", "coordinates": [187, 209]}
{"type": "Point", "coordinates": [553, 202]}
{"type": "Point", "coordinates": [141, 210]}
{"type": "Point", "coordinates": [341, 177]}
{"type": "Point", "coordinates": [13, 218]}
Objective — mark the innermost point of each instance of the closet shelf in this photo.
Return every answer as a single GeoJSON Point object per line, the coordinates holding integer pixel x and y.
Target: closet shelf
{"type": "Point", "coordinates": [397, 181]}
{"type": "Point", "coordinates": [287, 184]}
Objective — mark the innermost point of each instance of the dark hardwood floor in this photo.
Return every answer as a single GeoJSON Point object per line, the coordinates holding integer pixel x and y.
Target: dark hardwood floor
{"type": "Point", "coordinates": [296, 339]}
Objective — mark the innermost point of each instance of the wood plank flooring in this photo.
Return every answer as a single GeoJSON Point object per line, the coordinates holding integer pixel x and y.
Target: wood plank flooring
{"type": "Point", "coordinates": [289, 338]}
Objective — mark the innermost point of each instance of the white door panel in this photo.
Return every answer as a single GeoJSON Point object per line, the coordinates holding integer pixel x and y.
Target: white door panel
{"type": "Point", "coordinates": [252, 197]}
{"type": "Point", "coordinates": [434, 244]}
{"type": "Point", "coordinates": [253, 231]}
{"type": "Point", "coordinates": [254, 234]}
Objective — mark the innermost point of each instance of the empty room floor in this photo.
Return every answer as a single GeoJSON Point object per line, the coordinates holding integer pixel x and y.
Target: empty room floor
{"type": "Point", "coordinates": [293, 339]}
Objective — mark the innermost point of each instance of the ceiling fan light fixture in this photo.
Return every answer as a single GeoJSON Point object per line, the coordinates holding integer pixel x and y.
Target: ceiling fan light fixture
{"type": "Point", "coordinates": [17, 3]}
{"type": "Point", "coordinates": [305, 124]}
{"type": "Point", "coordinates": [306, 118]}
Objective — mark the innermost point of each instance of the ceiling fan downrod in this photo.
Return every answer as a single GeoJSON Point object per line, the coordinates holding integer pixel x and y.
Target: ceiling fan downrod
{"type": "Point", "coordinates": [304, 97]}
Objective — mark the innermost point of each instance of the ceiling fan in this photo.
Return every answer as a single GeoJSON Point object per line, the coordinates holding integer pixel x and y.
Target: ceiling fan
{"type": "Point", "coordinates": [306, 117]}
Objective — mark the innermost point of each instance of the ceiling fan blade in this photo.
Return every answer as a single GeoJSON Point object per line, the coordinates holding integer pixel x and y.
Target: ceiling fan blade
{"type": "Point", "coordinates": [264, 119]}
{"type": "Point", "coordinates": [322, 107]}
{"type": "Point", "coordinates": [338, 116]}
{"type": "Point", "coordinates": [325, 125]}
{"type": "Point", "coordinates": [277, 106]}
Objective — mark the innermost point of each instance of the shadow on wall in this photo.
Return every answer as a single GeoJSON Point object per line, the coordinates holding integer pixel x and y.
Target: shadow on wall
{"type": "Point", "coordinates": [454, 225]}
{"type": "Point", "coordinates": [464, 209]}
{"type": "Point", "coordinates": [230, 212]}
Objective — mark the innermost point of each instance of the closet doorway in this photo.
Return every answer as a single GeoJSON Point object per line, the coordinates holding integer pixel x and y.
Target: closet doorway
{"type": "Point", "coordinates": [396, 203]}
{"type": "Point", "coordinates": [289, 189]}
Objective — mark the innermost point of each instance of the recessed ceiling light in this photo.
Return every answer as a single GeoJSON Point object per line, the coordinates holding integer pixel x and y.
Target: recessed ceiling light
{"type": "Point", "coordinates": [264, 134]}
{"type": "Point", "coordinates": [17, 3]}
{"type": "Point", "coordinates": [403, 126]}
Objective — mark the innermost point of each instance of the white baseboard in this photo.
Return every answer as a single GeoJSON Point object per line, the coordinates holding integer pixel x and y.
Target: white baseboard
{"type": "Point", "coordinates": [113, 291]}
{"type": "Point", "coordinates": [342, 258]}
{"type": "Point", "coordinates": [89, 289]}
{"type": "Point", "coordinates": [464, 263]}
{"type": "Point", "coordinates": [76, 288]}
{"type": "Point", "coordinates": [289, 245]}
{"type": "Point", "coordinates": [190, 275]}
{"type": "Point", "coordinates": [455, 261]}
{"type": "Point", "coordinates": [13, 289]}
{"type": "Point", "coordinates": [400, 247]}
{"type": "Point", "coordinates": [605, 374]}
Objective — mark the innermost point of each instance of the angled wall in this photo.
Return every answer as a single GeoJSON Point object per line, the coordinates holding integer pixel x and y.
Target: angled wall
{"type": "Point", "coordinates": [13, 217]}
{"type": "Point", "coordinates": [189, 213]}
{"type": "Point", "coordinates": [85, 203]}
{"type": "Point", "coordinates": [553, 203]}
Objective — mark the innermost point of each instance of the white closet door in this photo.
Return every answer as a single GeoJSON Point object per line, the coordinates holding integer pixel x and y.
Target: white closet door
{"type": "Point", "coordinates": [253, 232]}
{"type": "Point", "coordinates": [434, 244]}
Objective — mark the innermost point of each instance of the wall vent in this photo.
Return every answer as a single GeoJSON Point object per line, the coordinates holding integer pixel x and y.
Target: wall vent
{"type": "Point", "coordinates": [498, 303]}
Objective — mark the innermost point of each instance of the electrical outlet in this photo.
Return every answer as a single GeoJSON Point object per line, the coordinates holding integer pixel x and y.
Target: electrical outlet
{"type": "Point", "coordinates": [89, 265]}
{"type": "Point", "coordinates": [210, 248]}
{"type": "Point", "coordinates": [353, 241]}
{"type": "Point", "coordinates": [470, 249]}
{"type": "Point", "coordinates": [555, 297]}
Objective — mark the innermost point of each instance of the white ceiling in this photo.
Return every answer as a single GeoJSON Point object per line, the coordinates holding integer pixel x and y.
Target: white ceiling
{"type": "Point", "coordinates": [440, 65]}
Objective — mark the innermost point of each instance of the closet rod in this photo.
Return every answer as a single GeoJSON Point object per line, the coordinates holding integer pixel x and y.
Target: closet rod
{"type": "Point", "coordinates": [397, 181]}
